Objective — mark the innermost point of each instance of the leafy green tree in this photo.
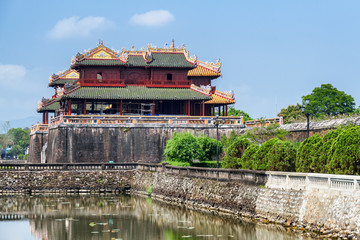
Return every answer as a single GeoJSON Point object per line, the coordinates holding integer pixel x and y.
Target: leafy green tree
{"type": "Point", "coordinates": [259, 161]}
{"type": "Point", "coordinates": [282, 156]}
{"type": "Point", "coordinates": [208, 148]}
{"type": "Point", "coordinates": [21, 140]}
{"type": "Point", "coordinates": [329, 101]}
{"type": "Point", "coordinates": [182, 147]}
{"type": "Point", "coordinates": [291, 113]}
{"type": "Point", "coordinates": [234, 152]}
{"type": "Point", "coordinates": [346, 152]}
{"type": "Point", "coordinates": [327, 150]}
{"type": "Point", "coordinates": [247, 159]}
{"type": "Point", "coordinates": [235, 112]}
{"type": "Point", "coordinates": [308, 155]}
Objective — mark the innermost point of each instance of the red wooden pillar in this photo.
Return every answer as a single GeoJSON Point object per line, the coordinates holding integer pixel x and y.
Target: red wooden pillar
{"type": "Point", "coordinates": [188, 107]}
{"type": "Point", "coordinates": [203, 108]}
{"type": "Point", "coordinates": [69, 107]}
{"type": "Point", "coordinates": [84, 106]}
{"type": "Point", "coordinates": [121, 108]}
{"type": "Point", "coordinates": [46, 117]}
{"type": "Point", "coordinates": [43, 118]}
{"type": "Point", "coordinates": [226, 110]}
{"type": "Point", "coordinates": [153, 108]}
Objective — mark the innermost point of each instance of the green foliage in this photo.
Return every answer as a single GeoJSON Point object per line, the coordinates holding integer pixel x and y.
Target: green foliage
{"type": "Point", "coordinates": [327, 150]}
{"type": "Point", "coordinates": [234, 112]}
{"type": "Point", "coordinates": [234, 152]}
{"type": "Point", "coordinates": [205, 164]}
{"type": "Point", "coordinates": [178, 164]}
{"type": "Point", "coordinates": [346, 152]}
{"type": "Point", "coordinates": [327, 100]}
{"type": "Point", "coordinates": [247, 159]}
{"type": "Point", "coordinates": [16, 138]}
{"type": "Point", "coordinates": [291, 113]}
{"type": "Point", "coordinates": [182, 147]}
{"type": "Point", "coordinates": [227, 141]}
{"type": "Point", "coordinates": [308, 155]}
{"type": "Point", "coordinates": [263, 134]}
{"type": "Point", "coordinates": [208, 148]}
{"type": "Point", "coordinates": [281, 157]}
{"type": "Point", "coordinates": [259, 159]}
{"type": "Point", "coordinates": [149, 190]}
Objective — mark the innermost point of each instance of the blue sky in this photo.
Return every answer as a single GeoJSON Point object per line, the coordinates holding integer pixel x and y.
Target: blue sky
{"type": "Point", "coordinates": [272, 52]}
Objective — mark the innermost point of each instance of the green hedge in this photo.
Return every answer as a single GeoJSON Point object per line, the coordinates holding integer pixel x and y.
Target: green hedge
{"type": "Point", "coordinates": [281, 156]}
{"type": "Point", "coordinates": [308, 155]}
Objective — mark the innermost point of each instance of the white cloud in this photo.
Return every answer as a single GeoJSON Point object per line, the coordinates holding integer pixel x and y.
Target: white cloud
{"type": "Point", "coordinates": [12, 75]}
{"type": "Point", "coordinates": [153, 18]}
{"type": "Point", "coordinates": [78, 27]}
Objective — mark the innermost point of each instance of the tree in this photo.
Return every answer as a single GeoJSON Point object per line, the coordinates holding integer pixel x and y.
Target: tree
{"type": "Point", "coordinates": [259, 161]}
{"type": "Point", "coordinates": [235, 112]}
{"type": "Point", "coordinates": [327, 100]}
{"type": "Point", "coordinates": [182, 147]}
{"type": "Point", "coordinates": [208, 148]}
{"type": "Point", "coordinates": [234, 152]}
{"type": "Point", "coordinates": [291, 113]}
{"type": "Point", "coordinates": [282, 156]}
{"type": "Point", "coordinates": [247, 159]}
{"type": "Point", "coordinates": [346, 152]}
{"type": "Point", "coordinates": [308, 155]}
{"type": "Point", "coordinates": [21, 140]}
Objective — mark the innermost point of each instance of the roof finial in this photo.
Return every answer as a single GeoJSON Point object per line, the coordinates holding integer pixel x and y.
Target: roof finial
{"type": "Point", "coordinates": [100, 43]}
{"type": "Point", "coordinates": [173, 44]}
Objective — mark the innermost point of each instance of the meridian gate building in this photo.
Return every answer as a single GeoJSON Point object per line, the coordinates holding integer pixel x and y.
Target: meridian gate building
{"type": "Point", "coordinates": [151, 82]}
{"type": "Point", "coordinates": [122, 106]}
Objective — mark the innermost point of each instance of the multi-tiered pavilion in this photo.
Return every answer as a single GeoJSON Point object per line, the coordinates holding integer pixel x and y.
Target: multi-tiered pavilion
{"type": "Point", "coordinates": [150, 82]}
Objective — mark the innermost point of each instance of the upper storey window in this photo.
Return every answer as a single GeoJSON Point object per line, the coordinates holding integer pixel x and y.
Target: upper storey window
{"type": "Point", "coordinates": [99, 76]}
{"type": "Point", "coordinates": [169, 76]}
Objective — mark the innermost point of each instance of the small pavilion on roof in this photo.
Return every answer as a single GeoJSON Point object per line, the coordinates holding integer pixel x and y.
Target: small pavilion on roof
{"type": "Point", "coordinates": [153, 82]}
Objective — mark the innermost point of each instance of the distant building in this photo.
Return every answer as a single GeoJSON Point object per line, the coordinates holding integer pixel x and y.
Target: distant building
{"type": "Point", "coordinates": [153, 82]}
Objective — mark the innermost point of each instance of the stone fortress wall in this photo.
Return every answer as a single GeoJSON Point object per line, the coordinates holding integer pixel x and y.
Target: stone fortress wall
{"type": "Point", "coordinates": [317, 202]}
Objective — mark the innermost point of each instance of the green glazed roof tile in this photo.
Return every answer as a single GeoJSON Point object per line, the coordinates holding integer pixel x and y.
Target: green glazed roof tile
{"type": "Point", "coordinates": [51, 108]}
{"type": "Point", "coordinates": [62, 82]}
{"type": "Point", "coordinates": [175, 60]}
{"type": "Point", "coordinates": [136, 93]}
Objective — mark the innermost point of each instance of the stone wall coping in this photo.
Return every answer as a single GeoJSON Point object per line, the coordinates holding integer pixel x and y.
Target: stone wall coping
{"type": "Point", "coordinates": [272, 179]}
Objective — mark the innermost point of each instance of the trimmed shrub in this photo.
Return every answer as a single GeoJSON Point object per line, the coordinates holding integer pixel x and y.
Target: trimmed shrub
{"type": "Point", "coordinates": [234, 152]}
{"type": "Point", "coordinates": [205, 164]}
{"type": "Point", "coordinates": [327, 151]}
{"type": "Point", "coordinates": [182, 147]}
{"type": "Point", "coordinates": [247, 159]}
{"type": "Point", "coordinates": [308, 155]}
{"type": "Point", "coordinates": [282, 156]}
{"type": "Point", "coordinates": [259, 160]}
{"type": "Point", "coordinates": [208, 148]}
{"type": "Point", "coordinates": [346, 152]}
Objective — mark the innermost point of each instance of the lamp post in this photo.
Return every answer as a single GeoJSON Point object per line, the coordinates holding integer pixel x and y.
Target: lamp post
{"type": "Point", "coordinates": [216, 122]}
{"type": "Point", "coordinates": [307, 114]}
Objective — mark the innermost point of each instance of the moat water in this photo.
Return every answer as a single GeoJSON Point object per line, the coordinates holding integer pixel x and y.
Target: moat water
{"type": "Point", "coordinates": [120, 217]}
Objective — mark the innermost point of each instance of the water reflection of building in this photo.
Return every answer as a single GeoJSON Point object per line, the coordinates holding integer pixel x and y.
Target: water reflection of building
{"type": "Point", "coordinates": [126, 218]}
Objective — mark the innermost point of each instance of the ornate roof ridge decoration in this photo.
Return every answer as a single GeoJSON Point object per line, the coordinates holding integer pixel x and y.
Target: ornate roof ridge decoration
{"type": "Point", "coordinates": [71, 88]}
{"type": "Point", "coordinates": [67, 74]}
{"type": "Point", "coordinates": [230, 95]}
{"type": "Point", "coordinates": [200, 90]}
{"type": "Point", "coordinates": [147, 55]}
{"type": "Point", "coordinates": [210, 65]}
{"type": "Point", "coordinates": [101, 52]}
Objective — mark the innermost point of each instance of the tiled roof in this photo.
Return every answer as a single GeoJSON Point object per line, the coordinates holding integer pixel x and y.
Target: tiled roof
{"type": "Point", "coordinates": [52, 107]}
{"type": "Point", "coordinates": [220, 100]}
{"type": "Point", "coordinates": [176, 60]}
{"type": "Point", "coordinates": [62, 82]}
{"type": "Point", "coordinates": [201, 71]}
{"type": "Point", "coordinates": [136, 93]}
{"type": "Point", "coordinates": [97, 62]}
